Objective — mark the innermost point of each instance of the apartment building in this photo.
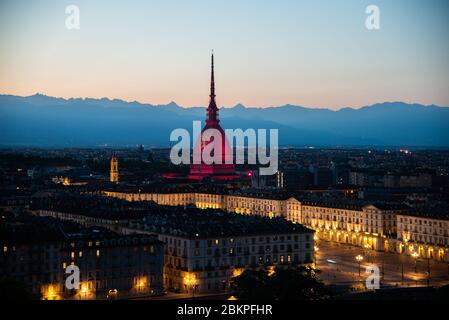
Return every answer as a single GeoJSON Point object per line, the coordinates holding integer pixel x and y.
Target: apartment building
{"type": "Point", "coordinates": [424, 232]}
{"type": "Point", "coordinates": [204, 249]}
{"type": "Point", "coordinates": [37, 250]}
{"type": "Point", "coordinates": [268, 205]}
{"type": "Point", "coordinates": [353, 222]}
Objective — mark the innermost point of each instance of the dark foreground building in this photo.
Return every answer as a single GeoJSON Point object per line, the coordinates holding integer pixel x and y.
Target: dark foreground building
{"type": "Point", "coordinates": [203, 249]}
{"type": "Point", "coordinates": [37, 250]}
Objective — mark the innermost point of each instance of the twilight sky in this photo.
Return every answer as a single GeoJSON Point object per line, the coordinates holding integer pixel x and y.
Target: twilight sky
{"type": "Point", "coordinates": [315, 53]}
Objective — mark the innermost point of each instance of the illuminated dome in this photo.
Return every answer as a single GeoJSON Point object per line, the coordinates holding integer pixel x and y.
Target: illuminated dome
{"type": "Point", "coordinates": [224, 170]}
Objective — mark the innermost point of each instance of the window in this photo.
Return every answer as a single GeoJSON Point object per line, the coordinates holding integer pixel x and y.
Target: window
{"type": "Point", "coordinates": [98, 253]}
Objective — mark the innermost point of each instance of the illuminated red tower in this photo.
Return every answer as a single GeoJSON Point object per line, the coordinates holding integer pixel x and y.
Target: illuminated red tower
{"type": "Point", "coordinates": [223, 170]}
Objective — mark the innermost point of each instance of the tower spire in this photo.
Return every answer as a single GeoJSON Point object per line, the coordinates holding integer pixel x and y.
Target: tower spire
{"type": "Point", "coordinates": [212, 78]}
{"type": "Point", "coordinates": [212, 110]}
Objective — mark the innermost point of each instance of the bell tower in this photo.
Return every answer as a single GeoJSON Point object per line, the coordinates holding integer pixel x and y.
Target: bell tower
{"type": "Point", "coordinates": [113, 175]}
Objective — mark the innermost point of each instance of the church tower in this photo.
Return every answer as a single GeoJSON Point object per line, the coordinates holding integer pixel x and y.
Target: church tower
{"type": "Point", "coordinates": [113, 175]}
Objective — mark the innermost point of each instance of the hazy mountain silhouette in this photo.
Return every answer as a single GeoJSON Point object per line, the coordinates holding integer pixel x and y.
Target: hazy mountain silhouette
{"type": "Point", "coordinates": [40, 120]}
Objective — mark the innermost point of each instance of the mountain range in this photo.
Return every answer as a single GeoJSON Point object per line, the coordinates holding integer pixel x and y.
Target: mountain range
{"type": "Point", "coordinates": [43, 121]}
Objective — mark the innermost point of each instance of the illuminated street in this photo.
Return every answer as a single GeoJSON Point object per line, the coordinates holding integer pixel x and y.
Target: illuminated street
{"type": "Point", "coordinates": [345, 270]}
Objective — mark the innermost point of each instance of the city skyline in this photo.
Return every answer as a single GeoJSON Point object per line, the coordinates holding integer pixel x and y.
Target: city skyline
{"type": "Point", "coordinates": [203, 156]}
{"type": "Point", "coordinates": [301, 53]}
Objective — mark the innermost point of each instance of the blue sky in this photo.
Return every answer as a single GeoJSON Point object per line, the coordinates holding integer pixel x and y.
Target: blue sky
{"type": "Point", "coordinates": [315, 53]}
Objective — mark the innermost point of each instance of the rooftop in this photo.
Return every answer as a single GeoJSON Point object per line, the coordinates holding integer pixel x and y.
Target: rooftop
{"type": "Point", "coordinates": [182, 221]}
{"type": "Point", "coordinates": [436, 210]}
{"type": "Point", "coordinates": [350, 204]}
{"type": "Point", "coordinates": [196, 223]}
{"type": "Point", "coordinates": [29, 229]}
{"type": "Point", "coordinates": [93, 206]}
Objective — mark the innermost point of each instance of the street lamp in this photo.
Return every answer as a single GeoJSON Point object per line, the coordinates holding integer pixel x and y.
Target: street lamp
{"type": "Point", "coordinates": [367, 251]}
{"type": "Point", "coordinates": [359, 259]}
{"type": "Point", "coordinates": [415, 255]}
{"type": "Point", "coordinates": [316, 249]}
{"type": "Point", "coordinates": [190, 280]}
{"type": "Point", "coordinates": [84, 291]}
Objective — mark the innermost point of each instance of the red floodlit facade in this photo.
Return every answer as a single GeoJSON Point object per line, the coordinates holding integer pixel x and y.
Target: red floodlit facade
{"type": "Point", "coordinates": [224, 170]}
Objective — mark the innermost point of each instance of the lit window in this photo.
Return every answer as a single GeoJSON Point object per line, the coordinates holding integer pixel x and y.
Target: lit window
{"type": "Point", "coordinates": [98, 253]}
{"type": "Point", "coordinates": [64, 265]}
{"type": "Point", "coordinates": [80, 254]}
{"type": "Point", "coordinates": [72, 255]}
{"type": "Point", "coordinates": [5, 249]}
{"type": "Point", "coordinates": [217, 242]}
{"type": "Point", "coordinates": [90, 243]}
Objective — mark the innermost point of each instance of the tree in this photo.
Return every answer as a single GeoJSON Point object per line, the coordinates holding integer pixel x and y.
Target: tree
{"type": "Point", "coordinates": [250, 285]}
{"type": "Point", "coordinates": [283, 284]}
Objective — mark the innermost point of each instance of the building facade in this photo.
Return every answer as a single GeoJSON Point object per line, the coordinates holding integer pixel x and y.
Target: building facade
{"type": "Point", "coordinates": [110, 265]}
{"type": "Point", "coordinates": [428, 236]}
{"type": "Point", "coordinates": [371, 226]}
{"type": "Point", "coordinates": [366, 226]}
{"type": "Point", "coordinates": [204, 256]}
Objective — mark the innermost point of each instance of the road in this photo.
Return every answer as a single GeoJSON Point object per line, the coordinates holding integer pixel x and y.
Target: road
{"type": "Point", "coordinates": [345, 270]}
{"type": "Point", "coordinates": [189, 296]}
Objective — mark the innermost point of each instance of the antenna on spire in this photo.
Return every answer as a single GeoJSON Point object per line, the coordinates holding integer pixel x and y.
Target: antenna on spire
{"type": "Point", "coordinates": [212, 108]}
{"type": "Point", "coordinates": [212, 78]}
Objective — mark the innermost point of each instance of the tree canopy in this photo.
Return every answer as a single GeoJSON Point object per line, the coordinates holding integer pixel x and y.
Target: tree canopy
{"type": "Point", "coordinates": [281, 284]}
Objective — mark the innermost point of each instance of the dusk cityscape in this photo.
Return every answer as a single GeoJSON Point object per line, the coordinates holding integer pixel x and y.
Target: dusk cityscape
{"type": "Point", "coordinates": [224, 159]}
